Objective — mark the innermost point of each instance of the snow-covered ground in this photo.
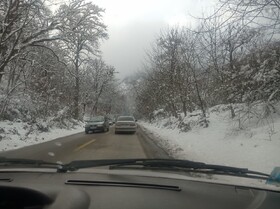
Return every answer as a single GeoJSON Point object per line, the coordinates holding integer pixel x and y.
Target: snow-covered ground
{"type": "Point", "coordinates": [255, 144]}
{"type": "Point", "coordinates": [14, 135]}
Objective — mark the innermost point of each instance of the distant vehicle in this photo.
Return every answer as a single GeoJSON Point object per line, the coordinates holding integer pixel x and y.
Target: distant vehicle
{"type": "Point", "coordinates": [111, 122]}
{"type": "Point", "coordinates": [125, 124]}
{"type": "Point", "coordinates": [97, 123]}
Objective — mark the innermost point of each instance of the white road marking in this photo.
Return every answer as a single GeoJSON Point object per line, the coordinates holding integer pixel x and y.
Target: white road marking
{"type": "Point", "coordinates": [58, 144]}
{"type": "Point", "coordinates": [51, 154]}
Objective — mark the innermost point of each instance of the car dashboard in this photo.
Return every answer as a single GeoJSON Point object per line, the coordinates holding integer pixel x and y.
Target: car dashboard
{"type": "Point", "coordinates": [76, 190]}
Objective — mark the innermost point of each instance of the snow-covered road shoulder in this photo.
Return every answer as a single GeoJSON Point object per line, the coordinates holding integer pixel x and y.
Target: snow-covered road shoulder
{"type": "Point", "coordinates": [254, 147]}
{"type": "Point", "coordinates": [14, 135]}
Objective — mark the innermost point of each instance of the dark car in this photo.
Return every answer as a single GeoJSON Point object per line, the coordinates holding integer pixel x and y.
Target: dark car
{"type": "Point", "coordinates": [97, 123]}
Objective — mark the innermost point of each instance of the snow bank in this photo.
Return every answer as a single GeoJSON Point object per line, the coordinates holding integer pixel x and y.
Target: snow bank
{"type": "Point", "coordinates": [254, 144]}
{"type": "Point", "coordinates": [14, 135]}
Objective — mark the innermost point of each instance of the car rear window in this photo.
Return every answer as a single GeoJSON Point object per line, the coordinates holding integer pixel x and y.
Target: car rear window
{"type": "Point", "coordinates": [125, 119]}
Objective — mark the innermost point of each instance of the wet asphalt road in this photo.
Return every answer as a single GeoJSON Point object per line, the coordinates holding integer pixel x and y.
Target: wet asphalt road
{"type": "Point", "coordinates": [83, 146]}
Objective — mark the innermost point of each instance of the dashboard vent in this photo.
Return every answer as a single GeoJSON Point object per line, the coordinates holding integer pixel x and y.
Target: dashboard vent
{"type": "Point", "coordinates": [123, 184]}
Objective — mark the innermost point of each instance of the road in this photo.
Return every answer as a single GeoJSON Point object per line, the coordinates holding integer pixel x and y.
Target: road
{"type": "Point", "coordinates": [83, 146]}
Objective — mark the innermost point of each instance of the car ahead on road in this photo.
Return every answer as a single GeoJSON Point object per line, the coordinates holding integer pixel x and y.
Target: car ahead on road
{"type": "Point", "coordinates": [134, 184]}
{"type": "Point", "coordinates": [97, 123]}
{"type": "Point", "coordinates": [111, 122]}
{"type": "Point", "coordinates": [125, 124]}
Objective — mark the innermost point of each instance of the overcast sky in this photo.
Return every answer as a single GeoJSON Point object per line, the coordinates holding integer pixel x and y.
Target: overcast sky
{"type": "Point", "coordinates": [134, 24]}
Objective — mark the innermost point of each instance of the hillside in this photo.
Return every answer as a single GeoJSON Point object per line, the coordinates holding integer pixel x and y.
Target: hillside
{"type": "Point", "coordinates": [252, 143]}
{"type": "Point", "coordinates": [17, 134]}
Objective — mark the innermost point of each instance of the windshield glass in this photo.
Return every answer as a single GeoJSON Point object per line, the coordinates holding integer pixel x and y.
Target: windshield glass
{"type": "Point", "coordinates": [200, 78]}
{"type": "Point", "coordinates": [125, 119]}
{"type": "Point", "coordinates": [97, 119]}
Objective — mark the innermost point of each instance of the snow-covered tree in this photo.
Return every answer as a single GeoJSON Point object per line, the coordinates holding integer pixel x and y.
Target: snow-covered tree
{"type": "Point", "coordinates": [25, 23]}
{"type": "Point", "coordinates": [83, 29]}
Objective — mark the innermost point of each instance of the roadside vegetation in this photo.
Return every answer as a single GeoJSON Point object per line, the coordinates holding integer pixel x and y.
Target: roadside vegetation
{"type": "Point", "coordinates": [229, 58]}
{"type": "Point", "coordinates": [52, 74]}
{"type": "Point", "coordinates": [51, 69]}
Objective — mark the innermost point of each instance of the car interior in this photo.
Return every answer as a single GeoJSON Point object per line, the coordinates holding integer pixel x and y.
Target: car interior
{"type": "Point", "coordinates": [75, 190]}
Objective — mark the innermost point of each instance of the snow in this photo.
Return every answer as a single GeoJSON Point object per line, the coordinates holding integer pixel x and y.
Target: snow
{"type": "Point", "coordinates": [17, 134]}
{"type": "Point", "coordinates": [254, 145]}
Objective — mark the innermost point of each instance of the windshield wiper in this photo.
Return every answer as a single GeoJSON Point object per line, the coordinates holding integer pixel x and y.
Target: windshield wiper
{"type": "Point", "coordinates": [167, 164]}
{"type": "Point", "coordinates": [151, 164]}
{"type": "Point", "coordinates": [8, 162]}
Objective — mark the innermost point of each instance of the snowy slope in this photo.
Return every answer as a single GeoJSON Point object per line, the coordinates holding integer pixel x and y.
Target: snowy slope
{"type": "Point", "coordinates": [255, 145]}
{"type": "Point", "coordinates": [14, 135]}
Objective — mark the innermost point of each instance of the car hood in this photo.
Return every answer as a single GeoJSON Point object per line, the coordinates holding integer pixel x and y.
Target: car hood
{"type": "Point", "coordinates": [215, 179]}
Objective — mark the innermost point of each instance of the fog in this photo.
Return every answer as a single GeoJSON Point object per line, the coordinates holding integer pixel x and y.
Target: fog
{"type": "Point", "coordinates": [134, 25]}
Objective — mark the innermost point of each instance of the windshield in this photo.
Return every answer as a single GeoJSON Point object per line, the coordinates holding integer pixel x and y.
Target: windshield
{"type": "Point", "coordinates": [97, 119]}
{"type": "Point", "coordinates": [125, 119]}
{"type": "Point", "coordinates": [200, 80]}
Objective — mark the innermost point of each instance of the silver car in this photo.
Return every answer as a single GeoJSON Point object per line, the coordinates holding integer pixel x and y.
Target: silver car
{"type": "Point", "coordinates": [125, 124]}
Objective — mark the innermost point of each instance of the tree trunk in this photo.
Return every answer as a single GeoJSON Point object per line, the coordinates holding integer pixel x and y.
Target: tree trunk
{"type": "Point", "coordinates": [76, 98]}
{"type": "Point", "coordinates": [77, 89]}
{"type": "Point", "coordinates": [232, 111]}
{"type": "Point", "coordinates": [201, 105]}
{"type": "Point", "coordinates": [174, 110]}
{"type": "Point", "coordinates": [1, 73]}
{"type": "Point", "coordinates": [84, 109]}
{"type": "Point", "coordinates": [184, 106]}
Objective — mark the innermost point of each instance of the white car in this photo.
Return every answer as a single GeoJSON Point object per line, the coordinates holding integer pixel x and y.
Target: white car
{"type": "Point", "coordinates": [125, 124]}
